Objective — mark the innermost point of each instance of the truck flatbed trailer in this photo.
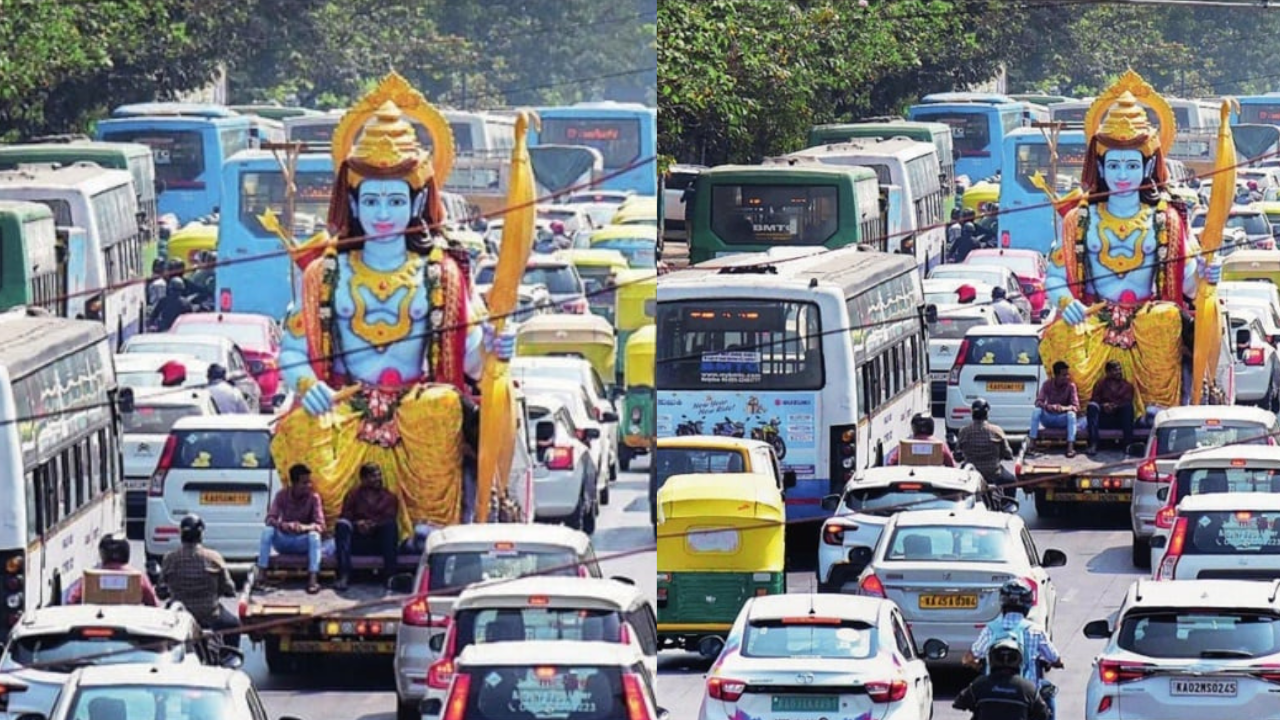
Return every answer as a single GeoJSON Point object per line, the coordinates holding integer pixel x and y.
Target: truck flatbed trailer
{"type": "Point", "coordinates": [1058, 482]}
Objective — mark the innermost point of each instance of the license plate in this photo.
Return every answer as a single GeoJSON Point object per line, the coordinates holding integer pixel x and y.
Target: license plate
{"type": "Point", "coordinates": [948, 602]}
{"type": "Point", "coordinates": [805, 703]}
{"type": "Point", "coordinates": [338, 646]}
{"type": "Point", "coordinates": [1203, 688]}
{"type": "Point", "coordinates": [1006, 386]}
{"type": "Point", "coordinates": [224, 498]}
{"type": "Point", "coordinates": [938, 376]}
{"type": "Point", "coordinates": [1122, 497]}
{"type": "Point", "coordinates": [135, 484]}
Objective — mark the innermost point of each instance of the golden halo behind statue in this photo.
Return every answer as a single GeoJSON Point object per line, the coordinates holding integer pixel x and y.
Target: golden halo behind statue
{"type": "Point", "coordinates": [1133, 83]}
{"type": "Point", "coordinates": [411, 102]}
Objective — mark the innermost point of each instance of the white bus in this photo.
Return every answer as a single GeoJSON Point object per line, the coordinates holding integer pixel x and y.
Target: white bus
{"type": "Point", "coordinates": [912, 166]}
{"type": "Point", "coordinates": [481, 134]}
{"type": "Point", "coordinates": [104, 272]}
{"type": "Point", "coordinates": [60, 462]}
{"type": "Point", "coordinates": [820, 352]}
{"type": "Point", "coordinates": [1188, 115]}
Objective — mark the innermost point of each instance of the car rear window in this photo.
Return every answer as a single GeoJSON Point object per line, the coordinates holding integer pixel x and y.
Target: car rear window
{"type": "Point", "coordinates": [687, 461]}
{"type": "Point", "coordinates": [484, 276]}
{"type": "Point", "coordinates": [222, 449]}
{"type": "Point", "coordinates": [249, 336]}
{"type": "Point", "coordinates": [906, 496]}
{"type": "Point", "coordinates": [954, 328]}
{"type": "Point", "coordinates": [1173, 440]}
{"type": "Point", "coordinates": [156, 419]}
{"type": "Point", "coordinates": [1203, 481]}
{"type": "Point", "coordinates": [1003, 350]}
{"type": "Point", "coordinates": [1023, 265]}
{"type": "Point", "coordinates": [559, 280]}
{"type": "Point", "coordinates": [809, 637]}
{"type": "Point", "coordinates": [545, 692]}
{"type": "Point", "coordinates": [66, 651]}
{"type": "Point", "coordinates": [536, 623]}
{"type": "Point", "coordinates": [145, 701]}
{"type": "Point", "coordinates": [948, 544]}
{"type": "Point", "coordinates": [452, 571]}
{"type": "Point", "coordinates": [204, 353]}
{"type": "Point", "coordinates": [1232, 532]}
{"type": "Point", "coordinates": [1201, 634]}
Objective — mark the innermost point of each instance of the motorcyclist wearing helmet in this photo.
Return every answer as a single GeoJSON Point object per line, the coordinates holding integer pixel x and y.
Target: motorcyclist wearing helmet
{"type": "Point", "coordinates": [173, 304]}
{"type": "Point", "coordinates": [1003, 694]}
{"type": "Point", "coordinates": [985, 446]}
{"type": "Point", "coordinates": [1016, 600]}
{"type": "Point", "coordinates": [198, 577]}
{"type": "Point", "coordinates": [113, 554]}
{"type": "Point", "coordinates": [922, 429]}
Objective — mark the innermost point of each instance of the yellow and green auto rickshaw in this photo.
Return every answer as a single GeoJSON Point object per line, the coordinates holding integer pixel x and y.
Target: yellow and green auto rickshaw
{"type": "Point", "coordinates": [721, 540]}
{"type": "Point", "coordinates": [1252, 264]}
{"type": "Point", "coordinates": [599, 270]}
{"type": "Point", "coordinates": [636, 427]}
{"type": "Point", "coordinates": [588, 336]}
{"type": "Point", "coordinates": [637, 210]}
{"type": "Point", "coordinates": [980, 194]}
{"type": "Point", "coordinates": [191, 240]}
{"type": "Point", "coordinates": [639, 243]}
{"type": "Point", "coordinates": [636, 303]}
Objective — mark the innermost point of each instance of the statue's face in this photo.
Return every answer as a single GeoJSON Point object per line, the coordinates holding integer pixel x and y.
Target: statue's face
{"type": "Point", "coordinates": [1122, 169]}
{"type": "Point", "coordinates": [384, 206]}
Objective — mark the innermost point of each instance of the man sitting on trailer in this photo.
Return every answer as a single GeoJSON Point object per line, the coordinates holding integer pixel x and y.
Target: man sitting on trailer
{"type": "Point", "coordinates": [1112, 405]}
{"type": "Point", "coordinates": [368, 524]}
{"type": "Point", "coordinates": [1056, 407]}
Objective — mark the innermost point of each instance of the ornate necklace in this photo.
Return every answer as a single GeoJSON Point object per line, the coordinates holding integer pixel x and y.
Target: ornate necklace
{"type": "Point", "coordinates": [1122, 230]}
{"type": "Point", "coordinates": [383, 286]}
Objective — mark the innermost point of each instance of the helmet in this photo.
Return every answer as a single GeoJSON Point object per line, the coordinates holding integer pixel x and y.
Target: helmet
{"type": "Point", "coordinates": [981, 409]}
{"type": "Point", "coordinates": [192, 529]}
{"type": "Point", "coordinates": [215, 372]}
{"type": "Point", "coordinates": [114, 548]}
{"type": "Point", "coordinates": [999, 293]}
{"type": "Point", "coordinates": [1005, 654]}
{"type": "Point", "coordinates": [1016, 596]}
{"type": "Point", "coordinates": [177, 286]}
{"type": "Point", "coordinates": [922, 424]}
{"type": "Point", "coordinates": [557, 227]}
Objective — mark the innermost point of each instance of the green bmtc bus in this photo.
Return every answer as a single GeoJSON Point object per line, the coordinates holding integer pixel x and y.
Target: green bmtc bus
{"type": "Point", "coordinates": [752, 208]}
{"type": "Point", "coordinates": [31, 271]}
{"type": "Point", "coordinates": [931, 132]}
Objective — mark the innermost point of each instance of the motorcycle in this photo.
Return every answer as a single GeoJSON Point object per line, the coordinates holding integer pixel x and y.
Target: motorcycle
{"type": "Point", "coordinates": [689, 427]}
{"type": "Point", "coordinates": [770, 432]}
{"type": "Point", "coordinates": [729, 428]}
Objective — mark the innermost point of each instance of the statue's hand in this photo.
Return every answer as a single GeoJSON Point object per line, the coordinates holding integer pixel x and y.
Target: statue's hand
{"type": "Point", "coordinates": [1211, 272]}
{"type": "Point", "coordinates": [1074, 313]}
{"type": "Point", "coordinates": [502, 346]}
{"type": "Point", "coordinates": [318, 399]}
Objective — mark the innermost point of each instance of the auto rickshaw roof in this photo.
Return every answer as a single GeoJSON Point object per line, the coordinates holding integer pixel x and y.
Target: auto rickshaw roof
{"type": "Point", "coordinates": [721, 495]}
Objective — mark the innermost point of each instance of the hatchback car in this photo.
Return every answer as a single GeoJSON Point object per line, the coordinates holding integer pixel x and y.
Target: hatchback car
{"type": "Point", "coordinates": [220, 467]}
{"type": "Point", "coordinates": [1268, 317]}
{"type": "Point", "coordinates": [1257, 364]}
{"type": "Point", "coordinates": [531, 370]}
{"type": "Point", "coordinates": [1187, 650]}
{"type": "Point", "coordinates": [142, 370]}
{"type": "Point", "coordinates": [944, 569]}
{"type": "Point", "coordinates": [1222, 536]}
{"type": "Point", "coordinates": [1028, 265]}
{"type": "Point", "coordinates": [49, 643]}
{"type": "Point", "coordinates": [946, 334]}
{"type": "Point", "coordinates": [561, 279]}
{"type": "Point", "coordinates": [566, 479]}
{"type": "Point", "coordinates": [257, 336]}
{"type": "Point", "coordinates": [173, 692]}
{"type": "Point", "coordinates": [1002, 364]}
{"type": "Point", "coordinates": [459, 556]}
{"type": "Point", "coordinates": [208, 349]}
{"type": "Point", "coordinates": [1255, 290]}
{"type": "Point", "coordinates": [146, 429]}
{"type": "Point", "coordinates": [820, 655]}
{"type": "Point", "coordinates": [1176, 431]}
{"type": "Point", "coordinates": [993, 275]}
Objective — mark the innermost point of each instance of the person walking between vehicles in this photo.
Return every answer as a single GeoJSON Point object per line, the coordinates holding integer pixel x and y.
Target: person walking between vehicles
{"type": "Point", "coordinates": [198, 578]}
{"type": "Point", "coordinates": [1112, 405]}
{"type": "Point", "coordinates": [226, 397]}
{"type": "Point", "coordinates": [985, 446]}
{"type": "Point", "coordinates": [1057, 406]}
{"type": "Point", "coordinates": [113, 554]}
{"type": "Point", "coordinates": [172, 305]}
{"type": "Point", "coordinates": [968, 237]}
{"type": "Point", "coordinates": [1003, 694]}
{"type": "Point", "coordinates": [368, 524]}
{"type": "Point", "coordinates": [922, 429]}
{"type": "Point", "coordinates": [1005, 311]}
{"type": "Point", "coordinates": [1016, 599]}
{"type": "Point", "coordinates": [294, 524]}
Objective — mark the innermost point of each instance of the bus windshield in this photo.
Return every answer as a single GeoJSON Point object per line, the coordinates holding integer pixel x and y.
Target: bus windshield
{"type": "Point", "coordinates": [1034, 158]}
{"type": "Point", "coordinates": [617, 139]}
{"type": "Point", "coordinates": [970, 132]}
{"type": "Point", "coordinates": [775, 214]}
{"type": "Point", "coordinates": [1260, 114]}
{"type": "Point", "coordinates": [178, 154]}
{"type": "Point", "coordinates": [260, 191]}
{"type": "Point", "coordinates": [739, 345]}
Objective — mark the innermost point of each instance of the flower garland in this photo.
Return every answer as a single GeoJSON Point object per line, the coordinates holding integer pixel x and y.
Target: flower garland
{"type": "Point", "coordinates": [1166, 285]}
{"type": "Point", "coordinates": [377, 407]}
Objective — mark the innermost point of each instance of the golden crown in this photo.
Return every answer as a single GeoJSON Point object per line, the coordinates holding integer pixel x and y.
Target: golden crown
{"type": "Point", "coordinates": [1126, 125]}
{"type": "Point", "coordinates": [387, 142]}
{"type": "Point", "coordinates": [1118, 117]}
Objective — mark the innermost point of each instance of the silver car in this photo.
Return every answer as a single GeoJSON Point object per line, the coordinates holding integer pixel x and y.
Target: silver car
{"type": "Point", "coordinates": [1257, 364]}
{"type": "Point", "coordinates": [194, 693]}
{"type": "Point", "coordinates": [206, 348]}
{"type": "Point", "coordinates": [566, 479]}
{"type": "Point", "coordinates": [146, 429]}
{"type": "Point", "coordinates": [602, 408]}
{"type": "Point", "coordinates": [945, 337]}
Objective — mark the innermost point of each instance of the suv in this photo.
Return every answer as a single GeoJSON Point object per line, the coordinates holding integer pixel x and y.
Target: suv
{"type": "Point", "coordinates": [993, 275]}
{"type": "Point", "coordinates": [1176, 431]}
{"type": "Point", "coordinates": [946, 333]}
{"type": "Point", "coordinates": [1222, 536]}
{"type": "Point", "coordinates": [1028, 265]}
{"type": "Point", "coordinates": [208, 349]}
{"type": "Point", "coordinates": [1190, 649]}
{"type": "Point", "coordinates": [1002, 364]}
{"type": "Point", "coordinates": [1250, 219]}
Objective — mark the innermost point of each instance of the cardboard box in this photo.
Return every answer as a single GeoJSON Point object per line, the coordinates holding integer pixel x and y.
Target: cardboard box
{"type": "Point", "coordinates": [112, 587]}
{"type": "Point", "coordinates": [920, 452]}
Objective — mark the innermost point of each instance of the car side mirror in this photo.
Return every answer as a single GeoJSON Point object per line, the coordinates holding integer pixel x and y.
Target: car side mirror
{"type": "Point", "coordinates": [609, 417]}
{"type": "Point", "coordinates": [591, 433]}
{"type": "Point", "coordinates": [789, 480]}
{"type": "Point", "coordinates": [931, 313]}
{"type": "Point", "coordinates": [860, 557]}
{"type": "Point", "coordinates": [1159, 541]}
{"type": "Point", "coordinates": [1136, 449]}
{"type": "Point", "coordinates": [1097, 630]}
{"type": "Point", "coordinates": [935, 649]}
{"type": "Point", "coordinates": [289, 717]}
{"type": "Point", "coordinates": [124, 400]}
{"type": "Point", "coordinates": [401, 583]}
{"type": "Point", "coordinates": [621, 579]}
{"type": "Point", "coordinates": [663, 714]}
{"type": "Point", "coordinates": [829, 503]}
{"type": "Point", "coordinates": [1053, 558]}
{"type": "Point", "coordinates": [278, 400]}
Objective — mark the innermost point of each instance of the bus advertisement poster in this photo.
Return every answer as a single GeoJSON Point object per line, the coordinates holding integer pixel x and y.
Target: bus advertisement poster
{"type": "Point", "coordinates": [785, 420]}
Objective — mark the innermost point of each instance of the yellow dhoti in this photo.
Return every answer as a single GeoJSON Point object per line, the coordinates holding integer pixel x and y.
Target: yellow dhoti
{"type": "Point", "coordinates": [416, 439]}
{"type": "Point", "coordinates": [1147, 342]}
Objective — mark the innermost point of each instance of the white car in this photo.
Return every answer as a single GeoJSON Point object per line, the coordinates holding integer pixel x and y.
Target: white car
{"type": "Point", "coordinates": [993, 275]}
{"type": "Point", "coordinates": [582, 408]}
{"type": "Point", "coordinates": [944, 569]}
{"type": "Point", "coordinates": [209, 349]}
{"type": "Point", "coordinates": [823, 655]}
{"type": "Point", "coordinates": [600, 212]}
{"type": "Point", "coordinates": [1185, 651]}
{"type": "Point", "coordinates": [871, 498]}
{"type": "Point", "coordinates": [1248, 218]}
{"type": "Point", "coordinates": [944, 292]}
{"type": "Point", "coordinates": [1257, 364]}
{"type": "Point", "coordinates": [575, 219]}
{"type": "Point", "coordinates": [1231, 290]}
{"type": "Point", "coordinates": [566, 478]}
{"type": "Point", "coordinates": [107, 692]}
{"type": "Point", "coordinates": [945, 338]}
{"type": "Point", "coordinates": [529, 371]}
{"type": "Point", "coordinates": [146, 428]}
{"type": "Point", "coordinates": [1222, 536]}
{"type": "Point", "coordinates": [613, 198]}
{"type": "Point", "coordinates": [1002, 364]}
{"type": "Point", "coordinates": [1268, 317]}
{"type": "Point", "coordinates": [142, 369]}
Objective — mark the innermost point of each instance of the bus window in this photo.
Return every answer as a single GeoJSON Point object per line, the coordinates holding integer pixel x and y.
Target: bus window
{"type": "Point", "coordinates": [178, 154]}
{"type": "Point", "coordinates": [774, 214]}
{"type": "Point", "coordinates": [1033, 158]}
{"type": "Point", "coordinates": [260, 191]}
{"type": "Point", "coordinates": [970, 132]}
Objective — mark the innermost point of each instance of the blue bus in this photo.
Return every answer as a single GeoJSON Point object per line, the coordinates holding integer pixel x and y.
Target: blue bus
{"type": "Point", "coordinates": [978, 130]}
{"type": "Point", "coordinates": [626, 134]}
{"type": "Point", "coordinates": [254, 274]}
{"type": "Point", "coordinates": [1026, 217]}
{"type": "Point", "coordinates": [1258, 110]}
{"type": "Point", "coordinates": [189, 143]}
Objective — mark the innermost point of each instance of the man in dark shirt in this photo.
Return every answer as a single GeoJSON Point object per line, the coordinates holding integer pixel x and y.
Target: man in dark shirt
{"type": "Point", "coordinates": [1112, 405]}
{"type": "Point", "coordinates": [368, 524]}
{"type": "Point", "coordinates": [173, 304]}
{"type": "Point", "coordinates": [985, 446]}
{"type": "Point", "coordinates": [1057, 406]}
{"type": "Point", "coordinates": [1003, 694]}
{"type": "Point", "coordinates": [197, 577]}
{"type": "Point", "coordinates": [294, 524]}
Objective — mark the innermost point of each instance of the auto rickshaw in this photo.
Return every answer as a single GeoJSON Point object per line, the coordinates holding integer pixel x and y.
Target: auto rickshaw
{"type": "Point", "coordinates": [1252, 265]}
{"type": "Point", "coordinates": [191, 240]}
{"type": "Point", "coordinates": [637, 425]}
{"type": "Point", "coordinates": [560, 335]}
{"type": "Point", "coordinates": [637, 210]}
{"type": "Point", "coordinates": [636, 303]}
{"type": "Point", "coordinates": [980, 194]}
{"type": "Point", "coordinates": [598, 270]}
{"type": "Point", "coordinates": [639, 243]}
{"type": "Point", "coordinates": [721, 540]}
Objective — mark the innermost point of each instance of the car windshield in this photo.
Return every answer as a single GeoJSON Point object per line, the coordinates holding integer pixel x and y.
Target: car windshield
{"type": "Point", "coordinates": [830, 638]}
{"type": "Point", "coordinates": [559, 279]}
{"type": "Point", "coordinates": [156, 419]}
{"type": "Point", "coordinates": [954, 328]}
{"type": "Point", "coordinates": [948, 544]}
{"type": "Point", "coordinates": [1260, 290]}
{"type": "Point", "coordinates": [153, 702]}
{"type": "Point", "coordinates": [1024, 265]}
{"type": "Point", "coordinates": [249, 336]}
{"type": "Point", "coordinates": [1003, 350]}
{"type": "Point", "coordinates": [544, 692]}
{"type": "Point", "coordinates": [535, 623]}
{"type": "Point", "coordinates": [452, 571]}
{"type": "Point", "coordinates": [687, 461]}
{"type": "Point", "coordinates": [906, 496]}
{"type": "Point", "coordinates": [1175, 440]}
{"type": "Point", "coordinates": [1232, 532]}
{"type": "Point", "coordinates": [66, 651]}
{"type": "Point", "coordinates": [1201, 634]}
{"type": "Point", "coordinates": [222, 449]}
{"type": "Point", "coordinates": [201, 351]}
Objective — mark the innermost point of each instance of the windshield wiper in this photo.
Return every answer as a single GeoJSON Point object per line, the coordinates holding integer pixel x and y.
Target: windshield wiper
{"type": "Point", "coordinates": [1226, 654]}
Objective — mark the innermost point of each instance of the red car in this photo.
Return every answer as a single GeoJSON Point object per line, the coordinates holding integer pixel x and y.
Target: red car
{"type": "Point", "coordinates": [258, 337]}
{"type": "Point", "coordinates": [1028, 265]}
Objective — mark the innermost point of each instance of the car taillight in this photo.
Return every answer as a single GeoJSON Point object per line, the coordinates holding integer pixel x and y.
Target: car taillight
{"type": "Point", "coordinates": [843, 456]}
{"type": "Point", "coordinates": [1004, 238]}
{"type": "Point", "coordinates": [833, 534]}
{"type": "Point", "coordinates": [725, 689]}
{"type": "Point", "coordinates": [1254, 357]}
{"type": "Point", "coordinates": [633, 692]}
{"type": "Point", "coordinates": [559, 458]}
{"type": "Point", "coordinates": [886, 691]}
{"type": "Point", "coordinates": [953, 378]}
{"type": "Point", "coordinates": [224, 300]}
{"type": "Point", "coordinates": [440, 674]}
{"type": "Point", "coordinates": [1113, 672]}
{"type": "Point", "coordinates": [156, 489]}
{"type": "Point", "coordinates": [1164, 517]}
{"type": "Point", "coordinates": [1147, 472]}
{"type": "Point", "coordinates": [417, 612]}
{"type": "Point", "coordinates": [1267, 673]}
{"type": "Point", "coordinates": [871, 586]}
{"type": "Point", "coordinates": [1176, 542]}
{"type": "Point", "coordinates": [456, 704]}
